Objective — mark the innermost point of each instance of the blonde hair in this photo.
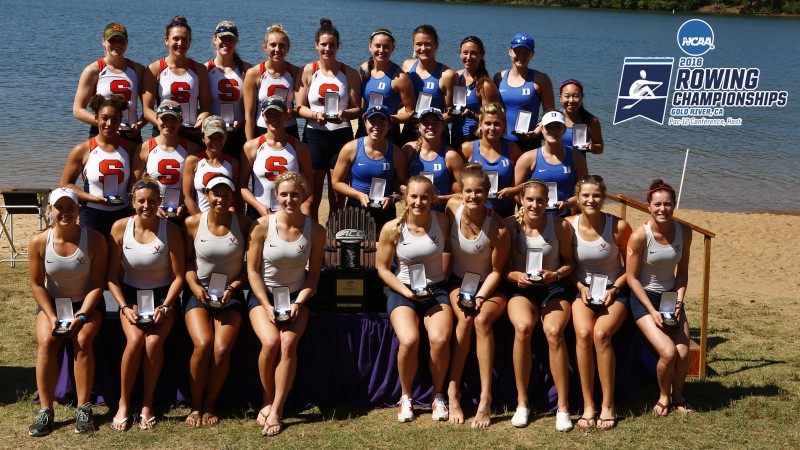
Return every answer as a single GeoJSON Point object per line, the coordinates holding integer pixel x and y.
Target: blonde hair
{"type": "Point", "coordinates": [474, 170]}
{"type": "Point", "coordinates": [298, 179]}
{"type": "Point", "coordinates": [534, 183]}
{"type": "Point", "coordinates": [492, 109]}
{"type": "Point", "coordinates": [146, 182]}
{"type": "Point", "coordinates": [276, 28]}
{"type": "Point", "coordinates": [404, 217]}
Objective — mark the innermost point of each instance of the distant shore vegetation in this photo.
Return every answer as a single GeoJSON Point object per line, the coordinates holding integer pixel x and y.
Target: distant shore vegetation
{"type": "Point", "coordinates": [744, 7]}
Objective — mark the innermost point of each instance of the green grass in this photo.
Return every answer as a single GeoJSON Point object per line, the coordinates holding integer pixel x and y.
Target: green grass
{"type": "Point", "coordinates": [749, 400]}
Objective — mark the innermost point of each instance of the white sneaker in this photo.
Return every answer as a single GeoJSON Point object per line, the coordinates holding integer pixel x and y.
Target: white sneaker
{"type": "Point", "coordinates": [405, 410]}
{"type": "Point", "coordinates": [563, 422]}
{"type": "Point", "coordinates": [520, 418]}
{"type": "Point", "coordinates": [440, 411]}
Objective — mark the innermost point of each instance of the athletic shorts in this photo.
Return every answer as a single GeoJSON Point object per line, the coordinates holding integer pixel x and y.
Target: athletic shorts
{"type": "Point", "coordinates": [421, 307]}
{"type": "Point", "coordinates": [253, 302]}
{"type": "Point", "coordinates": [159, 294]}
{"type": "Point", "coordinates": [540, 294]}
{"type": "Point", "coordinates": [236, 303]}
{"type": "Point", "coordinates": [637, 309]}
{"type": "Point", "coordinates": [623, 296]}
{"type": "Point", "coordinates": [325, 145]}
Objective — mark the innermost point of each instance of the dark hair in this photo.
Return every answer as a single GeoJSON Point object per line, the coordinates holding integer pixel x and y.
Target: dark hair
{"type": "Point", "coordinates": [326, 27]}
{"type": "Point", "coordinates": [98, 102]}
{"type": "Point", "coordinates": [585, 115]}
{"type": "Point", "coordinates": [659, 185]}
{"type": "Point", "coordinates": [426, 30]}
{"type": "Point", "coordinates": [178, 21]}
{"type": "Point", "coordinates": [481, 75]}
{"type": "Point", "coordinates": [371, 60]}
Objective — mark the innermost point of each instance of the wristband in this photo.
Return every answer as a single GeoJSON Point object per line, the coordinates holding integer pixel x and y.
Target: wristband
{"type": "Point", "coordinates": [679, 304]}
{"type": "Point", "coordinates": [231, 288]}
{"type": "Point", "coordinates": [558, 276]}
{"type": "Point", "coordinates": [614, 287]}
{"type": "Point", "coordinates": [82, 316]}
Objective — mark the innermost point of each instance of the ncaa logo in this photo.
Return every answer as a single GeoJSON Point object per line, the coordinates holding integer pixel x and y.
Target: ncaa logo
{"type": "Point", "coordinates": [695, 37]}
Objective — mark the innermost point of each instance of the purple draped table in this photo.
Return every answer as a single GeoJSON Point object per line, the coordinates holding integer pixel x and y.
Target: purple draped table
{"type": "Point", "coordinates": [351, 359]}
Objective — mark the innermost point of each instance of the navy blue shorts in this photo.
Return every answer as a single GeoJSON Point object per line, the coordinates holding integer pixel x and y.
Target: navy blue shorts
{"type": "Point", "coordinates": [540, 294]}
{"type": "Point", "coordinates": [102, 221]}
{"type": "Point", "coordinates": [236, 303]}
{"type": "Point", "coordinates": [325, 146]}
{"type": "Point", "coordinates": [253, 302]}
{"type": "Point", "coordinates": [637, 309]}
{"type": "Point", "coordinates": [439, 297]}
{"type": "Point", "coordinates": [159, 294]}
{"type": "Point", "coordinates": [623, 296]}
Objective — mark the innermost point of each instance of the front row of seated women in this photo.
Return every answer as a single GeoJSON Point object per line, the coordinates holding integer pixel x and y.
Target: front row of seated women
{"type": "Point", "coordinates": [468, 239]}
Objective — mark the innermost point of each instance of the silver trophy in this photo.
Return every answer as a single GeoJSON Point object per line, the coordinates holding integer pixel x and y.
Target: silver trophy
{"type": "Point", "coordinates": [227, 114]}
{"type": "Point", "coordinates": [423, 102]}
{"type": "Point", "coordinates": [493, 183]}
{"type": "Point", "coordinates": [65, 317]}
{"type": "Point", "coordinates": [281, 92]}
{"type": "Point", "coordinates": [468, 290]}
{"type": "Point", "coordinates": [375, 98]}
{"type": "Point", "coordinates": [145, 300]}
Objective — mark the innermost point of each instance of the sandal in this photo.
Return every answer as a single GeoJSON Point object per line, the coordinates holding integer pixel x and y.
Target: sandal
{"type": "Point", "coordinates": [661, 410]}
{"type": "Point", "coordinates": [146, 423]}
{"type": "Point", "coordinates": [193, 420]}
{"type": "Point", "coordinates": [120, 424]}
{"type": "Point", "coordinates": [586, 423]}
{"type": "Point", "coordinates": [210, 419]}
{"type": "Point", "coordinates": [684, 407]}
{"type": "Point", "coordinates": [261, 419]}
{"type": "Point", "coordinates": [606, 424]}
{"type": "Point", "coordinates": [272, 429]}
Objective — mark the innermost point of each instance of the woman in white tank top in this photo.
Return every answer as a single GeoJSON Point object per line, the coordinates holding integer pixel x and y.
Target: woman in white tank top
{"type": "Point", "coordinates": [601, 243]}
{"type": "Point", "coordinates": [480, 243]}
{"type": "Point", "coordinates": [272, 77]}
{"type": "Point", "coordinates": [282, 245]}
{"type": "Point", "coordinates": [66, 260]}
{"type": "Point", "coordinates": [219, 240]}
{"type": "Point", "coordinates": [534, 228]}
{"type": "Point", "coordinates": [151, 250]}
{"type": "Point", "coordinates": [658, 261]}
{"type": "Point", "coordinates": [418, 237]}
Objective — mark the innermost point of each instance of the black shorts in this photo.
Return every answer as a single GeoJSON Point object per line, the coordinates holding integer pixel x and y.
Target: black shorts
{"type": "Point", "coordinates": [159, 294]}
{"type": "Point", "coordinates": [637, 308]}
{"type": "Point", "coordinates": [236, 303]}
{"type": "Point", "coordinates": [540, 294]}
{"type": "Point", "coordinates": [623, 296]}
{"type": "Point", "coordinates": [325, 145]}
{"type": "Point", "coordinates": [254, 302]}
{"type": "Point", "coordinates": [440, 297]}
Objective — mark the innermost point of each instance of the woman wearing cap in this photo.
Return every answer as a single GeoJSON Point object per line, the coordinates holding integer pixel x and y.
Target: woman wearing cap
{"type": "Point", "coordinates": [479, 242]}
{"type": "Point", "coordinates": [369, 157]}
{"type": "Point", "coordinates": [430, 156]}
{"type": "Point", "coordinates": [178, 77]}
{"type": "Point", "coordinates": [109, 75]}
{"type": "Point", "coordinates": [523, 88]}
{"type": "Point", "coordinates": [226, 80]}
{"type": "Point", "coordinates": [272, 77]}
{"type": "Point", "coordinates": [163, 156]}
{"type": "Point", "coordinates": [552, 162]}
{"type": "Point", "coordinates": [269, 155]}
{"type": "Point", "coordinates": [426, 230]}
{"type": "Point", "coordinates": [215, 245]}
{"type": "Point", "coordinates": [145, 256]}
{"type": "Point", "coordinates": [571, 97]}
{"type": "Point", "coordinates": [105, 155]}
{"type": "Point", "coordinates": [381, 77]}
{"type": "Point", "coordinates": [286, 250]}
{"type": "Point", "coordinates": [326, 137]}
{"type": "Point", "coordinates": [429, 76]}
{"type": "Point", "coordinates": [480, 90]}
{"type": "Point", "coordinates": [198, 169]}
{"type": "Point", "coordinates": [658, 262]}
{"type": "Point", "coordinates": [601, 244]}
{"type": "Point", "coordinates": [549, 298]}
{"type": "Point", "coordinates": [66, 261]}
{"type": "Point", "coordinates": [495, 155]}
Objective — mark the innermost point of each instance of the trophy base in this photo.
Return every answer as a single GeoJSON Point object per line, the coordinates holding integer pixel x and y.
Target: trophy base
{"type": "Point", "coordinates": [356, 290]}
{"type": "Point", "coordinates": [422, 292]}
{"type": "Point", "coordinates": [331, 117]}
{"type": "Point", "coordinates": [519, 135]}
{"type": "Point", "coordinates": [215, 304]}
{"type": "Point", "coordinates": [62, 332]}
{"type": "Point", "coordinates": [145, 322]}
{"type": "Point", "coordinates": [283, 318]}
{"type": "Point", "coordinates": [467, 302]}
{"type": "Point", "coordinates": [669, 321]}
{"type": "Point", "coordinates": [492, 195]}
{"type": "Point", "coordinates": [456, 111]}
{"type": "Point", "coordinates": [171, 214]}
{"type": "Point", "coordinates": [375, 205]}
{"type": "Point", "coordinates": [535, 278]}
{"type": "Point", "coordinates": [581, 148]}
{"type": "Point", "coordinates": [593, 303]}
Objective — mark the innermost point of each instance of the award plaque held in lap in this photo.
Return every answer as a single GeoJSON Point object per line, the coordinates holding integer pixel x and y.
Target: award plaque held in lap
{"type": "Point", "coordinates": [216, 289]}
{"type": "Point", "coordinates": [145, 300]}
{"type": "Point", "coordinates": [468, 290]}
{"type": "Point", "coordinates": [597, 290]}
{"type": "Point", "coordinates": [533, 264]}
{"type": "Point", "coordinates": [419, 282]}
{"type": "Point", "coordinates": [65, 316]}
{"type": "Point", "coordinates": [667, 309]}
{"type": "Point", "coordinates": [282, 304]}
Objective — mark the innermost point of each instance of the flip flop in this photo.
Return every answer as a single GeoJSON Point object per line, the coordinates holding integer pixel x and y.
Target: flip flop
{"type": "Point", "coordinates": [606, 424]}
{"type": "Point", "coordinates": [147, 423]}
{"type": "Point", "coordinates": [661, 410]}
{"type": "Point", "coordinates": [586, 423]}
{"type": "Point", "coordinates": [272, 429]}
{"type": "Point", "coordinates": [210, 420]}
{"type": "Point", "coordinates": [261, 419]}
{"type": "Point", "coordinates": [684, 407]}
{"type": "Point", "coordinates": [193, 420]}
{"type": "Point", "coordinates": [120, 424]}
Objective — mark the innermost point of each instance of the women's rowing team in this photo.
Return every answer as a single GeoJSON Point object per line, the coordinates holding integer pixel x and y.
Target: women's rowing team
{"type": "Point", "coordinates": [460, 216]}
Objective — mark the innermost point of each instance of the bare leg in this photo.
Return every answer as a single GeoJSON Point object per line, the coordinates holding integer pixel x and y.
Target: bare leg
{"type": "Point", "coordinates": [198, 324]}
{"type": "Point", "coordinates": [681, 338]}
{"type": "Point", "coordinates": [269, 336]}
{"type": "Point", "coordinates": [406, 326]}
{"type": "Point", "coordinates": [83, 347]}
{"type": "Point", "coordinates": [490, 311]}
{"type": "Point", "coordinates": [46, 360]}
{"type": "Point", "coordinates": [583, 319]}
{"type": "Point", "coordinates": [458, 357]}
{"type": "Point", "coordinates": [667, 355]}
{"type": "Point", "coordinates": [286, 370]}
{"type": "Point", "coordinates": [523, 315]}
{"type": "Point", "coordinates": [439, 324]}
{"type": "Point", "coordinates": [131, 362]}
{"type": "Point", "coordinates": [153, 361]}
{"type": "Point", "coordinates": [607, 324]}
{"type": "Point", "coordinates": [555, 315]}
{"type": "Point", "coordinates": [226, 329]}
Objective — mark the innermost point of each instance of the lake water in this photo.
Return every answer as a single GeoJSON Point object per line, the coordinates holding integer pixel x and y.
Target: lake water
{"type": "Point", "coordinates": [46, 45]}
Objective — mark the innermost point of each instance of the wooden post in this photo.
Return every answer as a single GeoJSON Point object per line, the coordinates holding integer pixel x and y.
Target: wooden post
{"type": "Point", "coordinates": [622, 209]}
{"type": "Point", "coordinates": [704, 313]}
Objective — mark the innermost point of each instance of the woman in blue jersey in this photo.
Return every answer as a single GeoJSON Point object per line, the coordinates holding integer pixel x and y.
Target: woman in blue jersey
{"type": "Point", "coordinates": [552, 162]}
{"type": "Point", "coordinates": [109, 75]}
{"type": "Point", "coordinates": [571, 97]}
{"type": "Point", "coordinates": [226, 80]}
{"type": "Point", "coordinates": [496, 156]}
{"type": "Point", "coordinates": [368, 157]}
{"type": "Point", "coordinates": [430, 156]}
{"type": "Point", "coordinates": [380, 76]}
{"type": "Point", "coordinates": [145, 256]}
{"type": "Point", "coordinates": [429, 76]}
{"type": "Point", "coordinates": [66, 261]}
{"type": "Point", "coordinates": [326, 137]}
{"type": "Point", "coordinates": [523, 88]}
{"type": "Point", "coordinates": [658, 262]}
{"type": "Point", "coordinates": [480, 90]}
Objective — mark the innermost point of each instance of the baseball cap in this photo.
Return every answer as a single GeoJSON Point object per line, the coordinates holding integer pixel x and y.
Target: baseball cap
{"type": "Point", "coordinates": [115, 29]}
{"type": "Point", "coordinates": [435, 111]}
{"type": "Point", "coordinates": [214, 124]}
{"type": "Point", "coordinates": [169, 107]}
{"type": "Point", "coordinates": [553, 116]}
{"type": "Point", "coordinates": [523, 40]}
{"type": "Point", "coordinates": [227, 28]}
{"type": "Point", "coordinates": [216, 180]}
{"type": "Point", "coordinates": [380, 110]}
{"type": "Point", "coordinates": [273, 102]}
{"type": "Point", "coordinates": [59, 193]}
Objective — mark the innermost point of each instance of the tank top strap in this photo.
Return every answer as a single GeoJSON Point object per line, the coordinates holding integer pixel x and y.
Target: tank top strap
{"type": "Point", "coordinates": [262, 68]}
{"type": "Point", "coordinates": [504, 148]}
{"type": "Point", "coordinates": [392, 70]}
{"type": "Point", "coordinates": [568, 157]}
{"type": "Point", "coordinates": [307, 229]}
{"type": "Point", "coordinates": [461, 80]}
{"type": "Point", "coordinates": [162, 63]}
{"type": "Point", "coordinates": [202, 227]}
{"type": "Point", "coordinates": [413, 68]}
{"type": "Point", "coordinates": [49, 244]}
{"type": "Point", "coordinates": [476, 150]}
{"type": "Point", "coordinates": [443, 150]}
{"type": "Point", "coordinates": [162, 230]}
{"type": "Point", "coordinates": [101, 63]}
{"type": "Point", "coordinates": [234, 228]}
{"type": "Point", "coordinates": [487, 221]}
{"type": "Point", "coordinates": [151, 144]}
{"type": "Point", "coordinates": [360, 147]}
{"type": "Point", "coordinates": [83, 244]}
{"type": "Point", "coordinates": [272, 231]}
{"type": "Point", "coordinates": [130, 63]}
{"type": "Point", "coordinates": [261, 140]}
{"type": "Point", "coordinates": [608, 231]}
{"type": "Point", "coordinates": [389, 157]}
{"type": "Point", "coordinates": [92, 143]}
{"type": "Point", "coordinates": [315, 67]}
{"type": "Point", "coordinates": [505, 77]}
{"type": "Point", "coordinates": [437, 73]}
{"type": "Point", "coordinates": [549, 229]}
{"type": "Point", "coordinates": [575, 221]}
{"type": "Point", "coordinates": [211, 64]}
{"type": "Point", "coordinates": [192, 66]}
